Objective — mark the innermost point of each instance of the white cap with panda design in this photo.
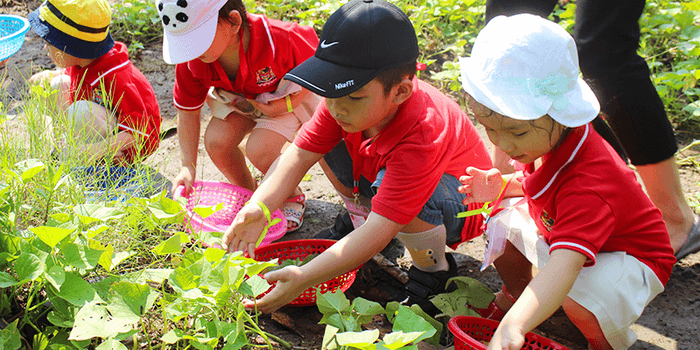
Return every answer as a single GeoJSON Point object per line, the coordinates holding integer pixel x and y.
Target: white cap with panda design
{"type": "Point", "coordinates": [189, 27]}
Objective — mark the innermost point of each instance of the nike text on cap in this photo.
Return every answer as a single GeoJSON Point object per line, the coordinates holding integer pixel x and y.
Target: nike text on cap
{"type": "Point", "coordinates": [360, 40]}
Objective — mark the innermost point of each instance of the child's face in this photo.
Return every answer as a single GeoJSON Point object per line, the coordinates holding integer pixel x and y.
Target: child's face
{"type": "Point", "coordinates": [60, 58]}
{"type": "Point", "coordinates": [223, 39]}
{"type": "Point", "coordinates": [363, 109]}
{"type": "Point", "coordinates": [522, 140]}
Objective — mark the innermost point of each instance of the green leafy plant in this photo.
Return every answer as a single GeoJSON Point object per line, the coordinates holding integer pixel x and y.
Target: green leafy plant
{"type": "Point", "coordinates": [136, 23]}
{"type": "Point", "coordinates": [469, 292]}
{"type": "Point", "coordinates": [671, 44]}
{"type": "Point", "coordinates": [344, 324]}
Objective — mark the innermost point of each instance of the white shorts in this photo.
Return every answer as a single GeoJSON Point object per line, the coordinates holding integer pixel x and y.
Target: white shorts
{"type": "Point", "coordinates": [222, 103]}
{"type": "Point", "coordinates": [616, 289]}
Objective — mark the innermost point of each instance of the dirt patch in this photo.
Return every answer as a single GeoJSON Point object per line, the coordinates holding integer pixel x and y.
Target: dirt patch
{"type": "Point", "coordinates": [671, 321]}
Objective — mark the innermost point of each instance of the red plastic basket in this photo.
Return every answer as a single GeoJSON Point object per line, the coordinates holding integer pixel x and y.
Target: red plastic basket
{"type": "Point", "coordinates": [209, 193]}
{"type": "Point", "coordinates": [299, 249]}
{"type": "Point", "coordinates": [470, 331]}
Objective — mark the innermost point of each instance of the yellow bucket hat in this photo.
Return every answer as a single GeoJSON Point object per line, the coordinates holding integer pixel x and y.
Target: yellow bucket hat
{"type": "Point", "coordinates": [76, 27]}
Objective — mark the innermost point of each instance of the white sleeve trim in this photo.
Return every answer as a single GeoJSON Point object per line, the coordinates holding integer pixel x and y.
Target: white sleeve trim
{"type": "Point", "coordinates": [179, 106]}
{"type": "Point", "coordinates": [576, 245]}
{"type": "Point", "coordinates": [107, 72]}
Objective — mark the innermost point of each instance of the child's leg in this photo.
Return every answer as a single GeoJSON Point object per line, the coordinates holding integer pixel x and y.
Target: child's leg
{"type": "Point", "coordinates": [221, 141]}
{"type": "Point", "coordinates": [586, 322]}
{"type": "Point", "coordinates": [515, 271]}
{"type": "Point", "coordinates": [337, 165]}
{"type": "Point", "coordinates": [615, 291]}
{"type": "Point", "coordinates": [89, 121]}
{"type": "Point", "coordinates": [606, 298]}
{"type": "Point", "coordinates": [264, 147]}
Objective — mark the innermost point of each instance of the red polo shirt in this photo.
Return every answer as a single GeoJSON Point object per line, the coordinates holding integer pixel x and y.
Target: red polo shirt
{"type": "Point", "coordinates": [584, 198]}
{"type": "Point", "coordinates": [429, 136]}
{"type": "Point", "coordinates": [129, 94]}
{"type": "Point", "coordinates": [275, 47]}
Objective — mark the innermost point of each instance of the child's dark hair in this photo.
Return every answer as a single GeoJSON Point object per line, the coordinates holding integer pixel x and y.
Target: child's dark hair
{"type": "Point", "coordinates": [231, 5]}
{"type": "Point", "coordinates": [393, 76]}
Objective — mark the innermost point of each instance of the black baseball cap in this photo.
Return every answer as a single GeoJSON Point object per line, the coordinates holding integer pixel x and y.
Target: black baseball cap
{"type": "Point", "coordinates": [360, 40]}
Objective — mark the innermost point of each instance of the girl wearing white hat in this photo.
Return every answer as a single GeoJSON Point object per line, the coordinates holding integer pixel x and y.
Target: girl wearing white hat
{"type": "Point", "coordinates": [234, 61]}
{"type": "Point", "coordinates": [600, 245]}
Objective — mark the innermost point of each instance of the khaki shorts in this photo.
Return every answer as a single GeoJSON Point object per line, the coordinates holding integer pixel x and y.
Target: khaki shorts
{"type": "Point", "coordinates": [222, 103]}
{"type": "Point", "coordinates": [616, 289]}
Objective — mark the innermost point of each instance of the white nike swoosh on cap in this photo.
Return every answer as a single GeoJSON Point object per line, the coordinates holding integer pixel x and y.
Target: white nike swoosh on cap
{"type": "Point", "coordinates": [324, 45]}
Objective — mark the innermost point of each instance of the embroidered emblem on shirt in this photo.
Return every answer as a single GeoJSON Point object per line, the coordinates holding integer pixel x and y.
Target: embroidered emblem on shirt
{"type": "Point", "coordinates": [98, 98]}
{"type": "Point", "coordinates": [547, 221]}
{"type": "Point", "coordinates": [265, 76]}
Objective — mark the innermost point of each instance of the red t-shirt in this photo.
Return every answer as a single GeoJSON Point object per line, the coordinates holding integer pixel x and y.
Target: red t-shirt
{"type": "Point", "coordinates": [584, 198]}
{"type": "Point", "coordinates": [429, 136]}
{"type": "Point", "coordinates": [129, 95]}
{"type": "Point", "coordinates": [275, 47]}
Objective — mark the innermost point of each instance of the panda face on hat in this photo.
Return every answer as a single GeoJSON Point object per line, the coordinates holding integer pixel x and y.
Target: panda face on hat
{"type": "Point", "coordinates": [174, 15]}
{"type": "Point", "coordinates": [189, 27]}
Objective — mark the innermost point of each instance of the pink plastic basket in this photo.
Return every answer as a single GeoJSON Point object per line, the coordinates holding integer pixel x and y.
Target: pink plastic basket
{"type": "Point", "coordinates": [209, 193]}
{"type": "Point", "coordinates": [470, 332]}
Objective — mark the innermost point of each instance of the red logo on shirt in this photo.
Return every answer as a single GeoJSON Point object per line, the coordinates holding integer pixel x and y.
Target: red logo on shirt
{"type": "Point", "coordinates": [547, 221]}
{"type": "Point", "coordinates": [265, 76]}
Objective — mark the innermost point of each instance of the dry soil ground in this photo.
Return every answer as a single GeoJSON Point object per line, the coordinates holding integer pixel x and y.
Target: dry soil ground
{"type": "Point", "coordinates": [671, 321]}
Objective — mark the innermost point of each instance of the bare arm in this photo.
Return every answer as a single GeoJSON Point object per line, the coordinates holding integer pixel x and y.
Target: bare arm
{"type": "Point", "coordinates": [544, 295]}
{"type": "Point", "coordinates": [279, 106]}
{"type": "Point", "coordinates": [188, 127]}
{"type": "Point", "coordinates": [281, 180]}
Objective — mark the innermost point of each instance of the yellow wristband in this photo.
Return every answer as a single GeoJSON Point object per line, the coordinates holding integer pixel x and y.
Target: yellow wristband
{"type": "Point", "coordinates": [270, 222]}
{"type": "Point", "coordinates": [289, 103]}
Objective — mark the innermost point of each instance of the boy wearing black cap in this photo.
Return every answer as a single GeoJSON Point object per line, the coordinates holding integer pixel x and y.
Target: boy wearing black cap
{"type": "Point", "coordinates": [387, 136]}
{"type": "Point", "coordinates": [110, 105]}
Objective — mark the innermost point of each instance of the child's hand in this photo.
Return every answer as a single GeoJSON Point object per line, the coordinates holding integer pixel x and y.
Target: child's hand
{"type": "Point", "coordinates": [480, 185]}
{"type": "Point", "coordinates": [272, 109]}
{"type": "Point", "coordinates": [506, 338]}
{"type": "Point", "coordinates": [287, 289]}
{"type": "Point", "coordinates": [245, 230]}
{"type": "Point", "coordinates": [185, 178]}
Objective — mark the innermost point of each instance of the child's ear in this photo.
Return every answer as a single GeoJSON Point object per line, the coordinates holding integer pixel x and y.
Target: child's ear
{"type": "Point", "coordinates": [235, 19]}
{"type": "Point", "coordinates": [404, 90]}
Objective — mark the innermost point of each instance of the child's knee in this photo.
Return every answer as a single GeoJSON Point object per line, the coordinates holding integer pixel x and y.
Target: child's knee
{"type": "Point", "coordinates": [263, 147]}
{"type": "Point", "coordinates": [60, 83]}
{"type": "Point", "coordinates": [218, 143]}
{"type": "Point", "coordinates": [88, 119]}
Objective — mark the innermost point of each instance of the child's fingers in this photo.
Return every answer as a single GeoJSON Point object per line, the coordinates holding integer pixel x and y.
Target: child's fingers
{"type": "Point", "coordinates": [465, 179]}
{"type": "Point", "coordinates": [472, 171]}
{"type": "Point", "coordinates": [466, 189]}
{"type": "Point", "coordinates": [251, 250]}
{"type": "Point", "coordinates": [493, 176]}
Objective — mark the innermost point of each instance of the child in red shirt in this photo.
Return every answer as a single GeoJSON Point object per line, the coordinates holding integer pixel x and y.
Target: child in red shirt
{"type": "Point", "coordinates": [234, 61]}
{"type": "Point", "coordinates": [600, 245]}
{"type": "Point", "coordinates": [111, 107]}
{"type": "Point", "coordinates": [394, 139]}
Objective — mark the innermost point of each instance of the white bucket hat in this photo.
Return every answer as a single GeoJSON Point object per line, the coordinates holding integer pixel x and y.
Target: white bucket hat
{"type": "Point", "coordinates": [189, 27]}
{"type": "Point", "coordinates": [524, 67]}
